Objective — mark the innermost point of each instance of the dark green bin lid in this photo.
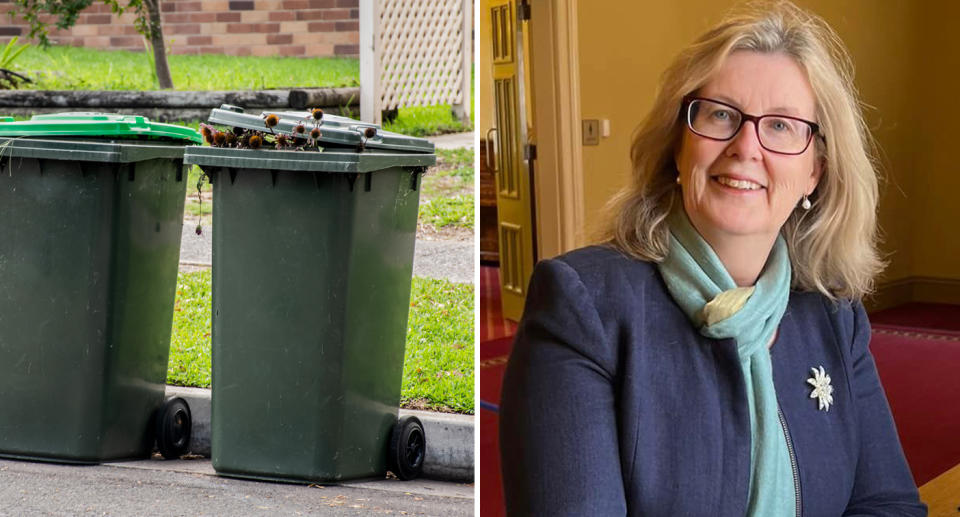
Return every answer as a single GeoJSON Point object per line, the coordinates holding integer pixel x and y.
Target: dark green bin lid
{"type": "Point", "coordinates": [79, 150]}
{"type": "Point", "coordinates": [304, 161]}
{"type": "Point", "coordinates": [335, 131]}
{"type": "Point", "coordinates": [96, 126]}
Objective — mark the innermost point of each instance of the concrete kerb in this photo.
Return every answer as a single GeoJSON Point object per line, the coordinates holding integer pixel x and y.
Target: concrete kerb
{"type": "Point", "coordinates": [452, 140]}
{"type": "Point", "coordinates": [449, 456]}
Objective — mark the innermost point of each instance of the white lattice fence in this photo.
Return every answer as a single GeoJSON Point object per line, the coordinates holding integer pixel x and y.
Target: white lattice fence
{"type": "Point", "coordinates": [421, 55]}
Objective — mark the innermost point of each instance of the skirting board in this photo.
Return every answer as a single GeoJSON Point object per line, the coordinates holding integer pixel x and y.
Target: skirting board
{"type": "Point", "coordinates": [914, 289]}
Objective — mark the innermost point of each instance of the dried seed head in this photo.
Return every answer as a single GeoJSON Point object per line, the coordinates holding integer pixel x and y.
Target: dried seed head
{"type": "Point", "coordinates": [231, 138]}
{"type": "Point", "coordinates": [315, 133]}
{"type": "Point", "coordinates": [300, 129]}
{"type": "Point", "coordinates": [370, 132]}
{"type": "Point", "coordinates": [298, 141]}
{"type": "Point", "coordinates": [207, 134]}
{"type": "Point", "coordinates": [317, 114]}
{"type": "Point", "coordinates": [255, 141]}
{"type": "Point", "coordinates": [282, 141]}
{"type": "Point", "coordinates": [219, 138]}
{"type": "Point", "coordinates": [272, 120]}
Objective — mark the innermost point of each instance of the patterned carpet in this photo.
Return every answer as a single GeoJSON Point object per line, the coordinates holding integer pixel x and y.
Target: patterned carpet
{"type": "Point", "coordinates": [496, 338]}
{"type": "Point", "coordinates": [492, 324]}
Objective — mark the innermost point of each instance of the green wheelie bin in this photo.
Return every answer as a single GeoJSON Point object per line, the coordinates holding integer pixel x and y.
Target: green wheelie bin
{"type": "Point", "coordinates": [91, 210]}
{"type": "Point", "coordinates": [312, 261]}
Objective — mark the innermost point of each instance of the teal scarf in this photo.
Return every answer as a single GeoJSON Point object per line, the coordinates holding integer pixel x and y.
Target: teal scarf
{"type": "Point", "coordinates": [703, 288]}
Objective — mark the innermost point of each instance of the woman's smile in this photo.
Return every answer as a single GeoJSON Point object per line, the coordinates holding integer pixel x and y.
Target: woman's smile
{"type": "Point", "coordinates": [737, 184]}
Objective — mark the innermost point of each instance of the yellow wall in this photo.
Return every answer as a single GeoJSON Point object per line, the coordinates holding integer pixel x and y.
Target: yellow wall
{"type": "Point", "coordinates": [621, 58]}
{"type": "Point", "coordinates": [907, 66]}
{"type": "Point", "coordinates": [884, 69]}
{"type": "Point", "coordinates": [935, 173]}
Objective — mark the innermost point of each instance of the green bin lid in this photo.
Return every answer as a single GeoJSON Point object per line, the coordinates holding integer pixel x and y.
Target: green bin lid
{"type": "Point", "coordinates": [335, 131]}
{"type": "Point", "coordinates": [96, 125]}
{"type": "Point", "coordinates": [283, 160]}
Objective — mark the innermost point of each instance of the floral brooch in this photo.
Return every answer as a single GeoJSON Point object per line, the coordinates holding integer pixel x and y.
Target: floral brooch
{"type": "Point", "coordinates": [822, 390]}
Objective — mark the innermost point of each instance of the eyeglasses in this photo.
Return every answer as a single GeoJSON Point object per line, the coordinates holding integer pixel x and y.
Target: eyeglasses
{"type": "Point", "coordinates": [717, 120]}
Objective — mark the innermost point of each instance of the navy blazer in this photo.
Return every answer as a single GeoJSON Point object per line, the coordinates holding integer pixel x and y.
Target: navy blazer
{"type": "Point", "coordinates": [613, 404]}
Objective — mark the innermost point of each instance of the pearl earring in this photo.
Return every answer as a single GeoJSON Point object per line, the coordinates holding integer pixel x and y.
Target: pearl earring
{"type": "Point", "coordinates": [805, 204]}
{"type": "Point", "coordinates": [678, 179]}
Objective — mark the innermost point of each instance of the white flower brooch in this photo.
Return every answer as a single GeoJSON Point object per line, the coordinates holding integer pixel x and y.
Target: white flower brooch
{"type": "Point", "coordinates": [822, 390]}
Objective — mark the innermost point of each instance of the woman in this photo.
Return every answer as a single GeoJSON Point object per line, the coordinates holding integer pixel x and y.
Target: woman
{"type": "Point", "coordinates": [711, 358]}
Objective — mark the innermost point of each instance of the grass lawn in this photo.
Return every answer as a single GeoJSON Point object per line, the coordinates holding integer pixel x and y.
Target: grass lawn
{"type": "Point", "coordinates": [447, 197]}
{"type": "Point", "coordinates": [78, 68]}
{"type": "Point", "coordinates": [190, 341]}
{"type": "Point", "coordinates": [426, 121]}
{"type": "Point", "coordinates": [438, 369]}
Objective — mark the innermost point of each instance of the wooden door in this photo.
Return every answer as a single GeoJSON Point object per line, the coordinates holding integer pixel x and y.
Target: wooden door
{"type": "Point", "coordinates": [514, 195]}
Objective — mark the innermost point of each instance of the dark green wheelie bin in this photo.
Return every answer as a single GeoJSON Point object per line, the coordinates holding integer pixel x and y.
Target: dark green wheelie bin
{"type": "Point", "coordinates": [91, 211]}
{"type": "Point", "coordinates": [312, 263]}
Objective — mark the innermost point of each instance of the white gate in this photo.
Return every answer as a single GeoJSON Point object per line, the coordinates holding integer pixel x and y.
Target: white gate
{"type": "Point", "coordinates": [415, 53]}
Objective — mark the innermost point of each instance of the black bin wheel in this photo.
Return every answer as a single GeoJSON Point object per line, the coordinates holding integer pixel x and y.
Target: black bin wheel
{"type": "Point", "coordinates": [173, 428]}
{"type": "Point", "coordinates": [408, 447]}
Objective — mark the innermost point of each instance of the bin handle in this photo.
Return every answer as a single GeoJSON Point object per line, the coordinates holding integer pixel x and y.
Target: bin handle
{"type": "Point", "coordinates": [486, 157]}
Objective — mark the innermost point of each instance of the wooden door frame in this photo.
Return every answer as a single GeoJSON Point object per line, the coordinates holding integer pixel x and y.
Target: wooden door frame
{"type": "Point", "coordinates": [558, 178]}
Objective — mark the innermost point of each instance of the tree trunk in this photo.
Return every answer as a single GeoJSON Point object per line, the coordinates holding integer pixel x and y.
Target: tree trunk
{"type": "Point", "coordinates": [156, 42]}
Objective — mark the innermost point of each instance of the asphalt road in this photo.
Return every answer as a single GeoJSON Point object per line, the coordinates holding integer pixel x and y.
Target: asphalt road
{"type": "Point", "coordinates": [191, 488]}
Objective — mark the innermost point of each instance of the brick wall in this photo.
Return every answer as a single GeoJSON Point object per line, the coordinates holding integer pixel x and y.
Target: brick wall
{"type": "Point", "coordinates": [309, 28]}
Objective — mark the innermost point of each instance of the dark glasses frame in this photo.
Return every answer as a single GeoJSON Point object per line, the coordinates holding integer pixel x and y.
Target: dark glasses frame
{"type": "Point", "coordinates": [744, 117]}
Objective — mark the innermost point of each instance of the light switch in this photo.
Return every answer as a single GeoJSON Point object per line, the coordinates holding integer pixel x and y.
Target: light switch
{"type": "Point", "coordinates": [605, 127]}
{"type": "Point", "coordinates": [591, 132]}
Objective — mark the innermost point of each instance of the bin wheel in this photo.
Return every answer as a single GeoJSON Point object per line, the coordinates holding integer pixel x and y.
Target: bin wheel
{"type": "Point", "coordinates": [408, 447]}
{"type": "Point", "coordinates": [173, 428]}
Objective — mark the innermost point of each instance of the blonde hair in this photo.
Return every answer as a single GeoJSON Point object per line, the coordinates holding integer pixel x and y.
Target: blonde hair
{"type": "Point", "coordinates": [833, 245]}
